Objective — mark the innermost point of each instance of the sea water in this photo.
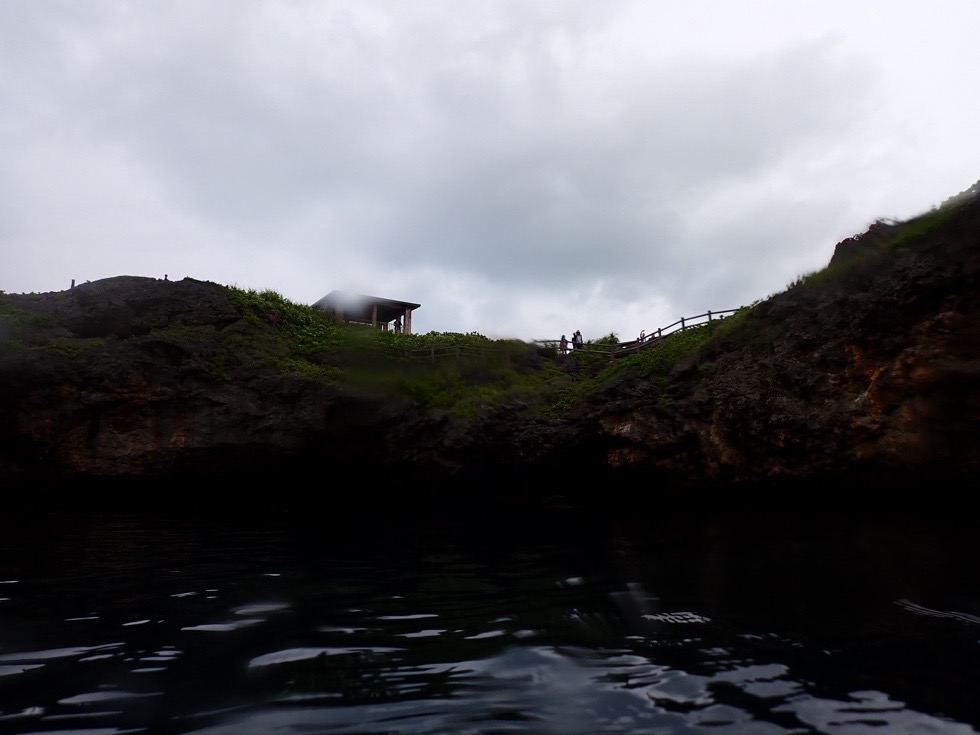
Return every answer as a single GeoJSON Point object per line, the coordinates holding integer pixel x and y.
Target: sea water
{"type": "Point", "coordinates": [565, 622]}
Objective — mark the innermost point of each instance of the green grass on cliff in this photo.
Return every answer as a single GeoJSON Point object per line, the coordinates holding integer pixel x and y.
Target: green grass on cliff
{"type": "Point", "coordinates": [461, 374]}
{"type": "Point", "coordinates": [748, 328]}
{"type": "Point", "coordinates": [25, 330]}
{"type": "Point", "coordinates": [852, 271]}
{"type": "Point", "coordinates": [865, 260]}
{"type": "Point", "coordinates": [653, 363]}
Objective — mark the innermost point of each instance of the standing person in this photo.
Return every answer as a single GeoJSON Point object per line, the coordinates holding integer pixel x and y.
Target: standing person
{"type": "Point", "coordinates": [577, 339]}
{"type": "Point", "coordinates": [563, 345]}
{"type": "Point", "coordinates": [643, 335]}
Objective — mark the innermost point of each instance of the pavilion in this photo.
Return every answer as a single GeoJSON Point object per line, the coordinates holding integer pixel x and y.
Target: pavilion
{"type": "Point", "coordinates": [354, 308]}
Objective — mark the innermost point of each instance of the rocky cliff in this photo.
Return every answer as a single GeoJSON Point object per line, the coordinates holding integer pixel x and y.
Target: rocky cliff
{"type": "Point", "coordinates": [866, 375]}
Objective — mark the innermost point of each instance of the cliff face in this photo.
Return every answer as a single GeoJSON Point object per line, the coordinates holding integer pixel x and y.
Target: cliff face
{"type": "Point", "coordinates": [868, 375]}
{"type": "Point", "coordinates": [871, 373]}
{"type": "Point", "coordinates": [118, 392]}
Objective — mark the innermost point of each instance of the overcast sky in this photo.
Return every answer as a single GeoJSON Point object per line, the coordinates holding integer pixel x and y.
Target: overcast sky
{"type": "Point", "coordinates": [520, 169]}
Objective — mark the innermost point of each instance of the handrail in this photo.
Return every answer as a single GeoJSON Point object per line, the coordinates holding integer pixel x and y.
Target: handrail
{"type": "Point", "coordinates": [615, 350]}
{"type": "Point", "coordinates": [632, 347]}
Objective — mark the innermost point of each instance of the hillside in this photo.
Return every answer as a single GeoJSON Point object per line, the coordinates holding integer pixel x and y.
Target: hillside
{"type": "Point", "coordinates": [862, 376]}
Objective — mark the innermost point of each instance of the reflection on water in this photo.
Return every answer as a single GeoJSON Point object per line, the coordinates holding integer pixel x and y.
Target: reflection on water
{"type": "Point", "coordinates": [562, 624]}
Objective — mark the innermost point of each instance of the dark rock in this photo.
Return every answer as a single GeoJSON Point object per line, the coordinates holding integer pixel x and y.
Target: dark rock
{"type": "Point", "coordinates": [127, 306]}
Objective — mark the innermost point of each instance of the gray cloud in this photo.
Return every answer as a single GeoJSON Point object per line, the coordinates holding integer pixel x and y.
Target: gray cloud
{"type": "Point", "coordinates": [507, 165]}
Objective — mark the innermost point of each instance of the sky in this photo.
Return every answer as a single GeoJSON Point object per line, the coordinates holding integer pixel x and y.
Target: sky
{"type": "Point", "coordinates": [521, 169]}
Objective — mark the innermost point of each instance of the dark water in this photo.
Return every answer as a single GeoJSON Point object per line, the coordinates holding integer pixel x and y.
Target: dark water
{"type": "Point", "coordinates": [565, 623]}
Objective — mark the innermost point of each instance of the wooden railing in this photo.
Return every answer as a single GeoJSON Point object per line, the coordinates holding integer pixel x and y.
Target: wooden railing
{"type": "Point", "coordinates": [632, 347]}
{"type": "Point", "coordinates": [614, 350]}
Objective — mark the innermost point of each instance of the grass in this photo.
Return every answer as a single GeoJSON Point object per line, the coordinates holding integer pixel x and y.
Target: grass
{"type": "Point", "coordinates": [848, 272]}
{"type": "Point", "coordinates": [905, 234]}
{"type": "Point", "coordinates": [459, 374]}
{"type": "Point", "coordinates": [25, 330]}
{"type": "Point", "coordinates": [747, 328]}
{"type": "Point", "coordinates": [653, 363]}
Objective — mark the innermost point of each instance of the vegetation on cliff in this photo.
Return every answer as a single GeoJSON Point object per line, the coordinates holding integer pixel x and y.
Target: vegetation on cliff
{"type": "Point", "coordinates": [461, 374]}
{"type": "Point", "coordinates": [868, 362]}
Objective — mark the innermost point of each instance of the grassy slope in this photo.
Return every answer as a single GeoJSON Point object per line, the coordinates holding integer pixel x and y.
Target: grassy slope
{"type": "Point", "coordinates": [461, 374]}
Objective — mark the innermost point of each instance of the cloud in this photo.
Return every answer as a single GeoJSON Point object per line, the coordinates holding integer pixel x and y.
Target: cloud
{"type": "Point", "coordinates": [518, 169]}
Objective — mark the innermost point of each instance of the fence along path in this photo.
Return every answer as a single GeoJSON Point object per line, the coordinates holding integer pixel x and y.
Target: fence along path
{"type": "Point", "coordinates": [614, 350]}
{"type": "Point", "coordinates": [631, 347]}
